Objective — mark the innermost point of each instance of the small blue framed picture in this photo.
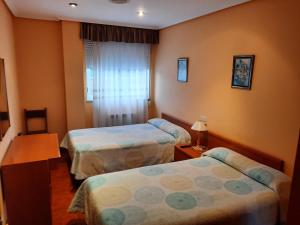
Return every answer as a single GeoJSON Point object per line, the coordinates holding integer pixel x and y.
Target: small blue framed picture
{"type": "Point", "coordinates": [242, 71]}
{"type": "Point", "coordinates": [182, 69]}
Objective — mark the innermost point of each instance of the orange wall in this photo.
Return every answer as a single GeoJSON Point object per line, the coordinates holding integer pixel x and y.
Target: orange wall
{"type": "Point", "coordinates": [267, 117]}
{"type": "Point", "coordinates": [41, 69]}
{"type": "Point", "coordinates": [73, 53]}
{"type": "Point", "coordinates": [50, 62]}
{"type": "Point", "coordinates": [7, 52]}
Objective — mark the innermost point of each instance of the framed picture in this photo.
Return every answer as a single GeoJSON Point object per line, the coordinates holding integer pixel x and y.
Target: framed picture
{"type": "Point", "coordinates": [182, 69]}
{"type": "Point", "coordinates": [242, 71]}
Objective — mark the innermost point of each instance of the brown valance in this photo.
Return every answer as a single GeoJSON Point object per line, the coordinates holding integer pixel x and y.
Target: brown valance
{"type": "Point", "coordinates": [105, 33]}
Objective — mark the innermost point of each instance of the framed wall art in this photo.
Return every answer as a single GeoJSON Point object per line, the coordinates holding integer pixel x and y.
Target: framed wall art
{"type": "Point", "coordinates": [242, 71]}
{"type": "Point", "coordinates": [182, 69]}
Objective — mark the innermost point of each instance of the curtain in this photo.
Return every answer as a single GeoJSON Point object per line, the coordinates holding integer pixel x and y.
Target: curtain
{"type": "Point", "coordinates": [104, 33]}
{"type": "Point", "coordinates": [121, 79]}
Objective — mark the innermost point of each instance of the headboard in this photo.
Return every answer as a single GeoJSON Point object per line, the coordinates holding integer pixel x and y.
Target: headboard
{"type": "Point", "coordinates": [187, 126]}
{"type": "Point", "coordinates": [213, 140]}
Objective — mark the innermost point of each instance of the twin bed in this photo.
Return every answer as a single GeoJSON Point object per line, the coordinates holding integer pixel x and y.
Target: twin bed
{"type": "Point", "coordinates": [222, 187]}
{"type": "Point", "coordinates": [102, 150]}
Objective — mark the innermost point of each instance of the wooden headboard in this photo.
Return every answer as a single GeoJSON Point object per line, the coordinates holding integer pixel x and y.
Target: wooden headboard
{"type": "Point", "coordinates": [187, 126]}
{"type": "Point", "coordinates": [213, 140]}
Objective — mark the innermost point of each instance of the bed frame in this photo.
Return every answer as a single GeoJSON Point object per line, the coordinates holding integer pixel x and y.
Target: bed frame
{"type": "Point", "coordinates": [213, 140]}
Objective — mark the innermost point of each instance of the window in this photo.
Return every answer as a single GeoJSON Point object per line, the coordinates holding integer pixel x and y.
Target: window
{"type": "Point", "coordinates": [89, 85]}
{"type": "Point", "coordinates": [118, 80]}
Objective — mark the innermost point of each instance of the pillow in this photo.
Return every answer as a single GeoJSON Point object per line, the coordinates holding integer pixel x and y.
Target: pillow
{"type": "Point", "coordinates": [272, 178]}
{"type": "Point", "coordinates": [257, 171]}
{"type": "Point", "coordinates": [181, 135]}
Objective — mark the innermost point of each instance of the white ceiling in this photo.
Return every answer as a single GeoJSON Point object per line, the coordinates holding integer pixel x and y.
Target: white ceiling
{"type": "Point", "coordinates": [158, 13]}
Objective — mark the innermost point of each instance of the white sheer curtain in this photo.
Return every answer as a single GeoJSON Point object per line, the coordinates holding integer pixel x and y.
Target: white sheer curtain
{"type": "Point", "coordinates": [120, 74]}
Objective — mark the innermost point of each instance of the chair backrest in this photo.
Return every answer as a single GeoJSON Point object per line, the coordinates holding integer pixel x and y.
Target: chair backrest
{"type": "Point", "coordinates": [36, 114]}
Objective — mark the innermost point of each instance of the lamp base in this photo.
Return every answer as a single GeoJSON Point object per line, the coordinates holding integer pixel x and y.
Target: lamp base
{"type": "Point", "coordinates": [198, 148]}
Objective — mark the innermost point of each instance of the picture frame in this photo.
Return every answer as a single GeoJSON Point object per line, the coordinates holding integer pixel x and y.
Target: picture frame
{"type": "Point", "coordinates": [242, 71]}
{"type": "Point", "coordinates": [182, 70]}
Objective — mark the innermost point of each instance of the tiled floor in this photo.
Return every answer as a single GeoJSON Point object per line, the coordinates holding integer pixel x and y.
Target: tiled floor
{"type": "Point", "coordinates": [62, 194]}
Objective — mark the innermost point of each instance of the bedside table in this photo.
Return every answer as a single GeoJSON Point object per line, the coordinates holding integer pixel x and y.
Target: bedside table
{"type": "Point", "coordinates": [185, 153]}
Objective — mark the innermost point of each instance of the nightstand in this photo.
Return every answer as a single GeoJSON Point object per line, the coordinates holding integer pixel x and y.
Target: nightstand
{"type": "Point", "coordinates": [185, 153]}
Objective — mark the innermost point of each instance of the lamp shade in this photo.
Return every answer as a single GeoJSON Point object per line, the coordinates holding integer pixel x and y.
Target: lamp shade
{"type": "Point", "coordinates": [199, 125]}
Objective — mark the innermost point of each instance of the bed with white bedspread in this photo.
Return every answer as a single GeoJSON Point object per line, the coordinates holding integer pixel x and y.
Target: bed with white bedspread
{"type": "Point", "coordinates": [101, 150]}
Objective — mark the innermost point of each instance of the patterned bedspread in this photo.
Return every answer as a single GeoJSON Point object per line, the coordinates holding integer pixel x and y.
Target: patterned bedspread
{"type": "Point", "coordinates": [100, 150]}
{"type": "Point", "coordinates": [193, 192]}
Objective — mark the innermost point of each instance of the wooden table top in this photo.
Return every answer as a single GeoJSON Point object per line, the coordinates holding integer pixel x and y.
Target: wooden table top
{"type": "Point", "coordinates": [31, 148]}
{"type": "Point", "coordinates": [192, 153]}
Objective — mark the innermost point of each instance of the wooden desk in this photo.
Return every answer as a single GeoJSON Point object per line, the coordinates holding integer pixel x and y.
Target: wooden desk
{"type": "Point", "coordinates": [25, 173]}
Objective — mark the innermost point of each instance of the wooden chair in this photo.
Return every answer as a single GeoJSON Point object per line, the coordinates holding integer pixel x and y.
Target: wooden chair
{"type": "Point", "coordinates": [35, 114]}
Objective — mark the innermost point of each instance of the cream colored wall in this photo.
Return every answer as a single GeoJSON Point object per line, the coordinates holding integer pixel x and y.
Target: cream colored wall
{"type": "Point", "coordinates": [267, 117]}
{"type": "Point", "coordinates": [41, 69]}
{"type": "Point", "coordinates": [7, 52]}
{"type": "Point", "coordinates": [73, 52]}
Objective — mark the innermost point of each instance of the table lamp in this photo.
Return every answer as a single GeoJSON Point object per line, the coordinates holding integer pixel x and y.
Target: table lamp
{"type": "Point", "coordinates": [199, 126]}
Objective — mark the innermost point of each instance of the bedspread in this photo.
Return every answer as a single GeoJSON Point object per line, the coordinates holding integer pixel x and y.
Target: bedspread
{"type": "Point", "coordinates": [192, 192]}
{"type": "Point", "coordinates": [100, 150]}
